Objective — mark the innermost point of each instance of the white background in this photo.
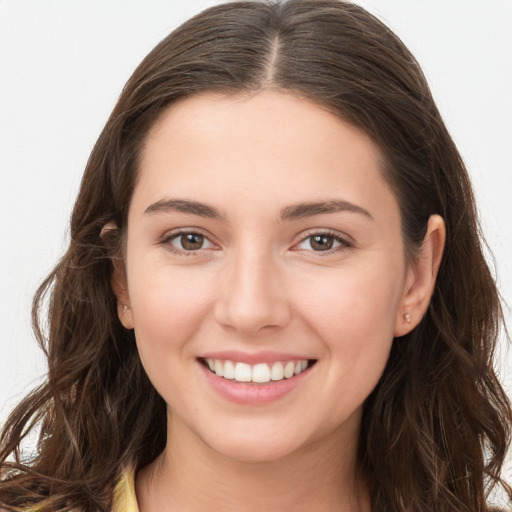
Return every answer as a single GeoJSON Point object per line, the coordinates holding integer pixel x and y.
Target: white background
{"type": "Point", "coordinates": [63, 64]}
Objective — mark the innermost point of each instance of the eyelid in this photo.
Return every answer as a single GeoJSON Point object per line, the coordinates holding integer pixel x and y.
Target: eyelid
{"type": "Point", "coordinates": [345, 241]}
{"type": "Point", "coordinates": [176, 233]}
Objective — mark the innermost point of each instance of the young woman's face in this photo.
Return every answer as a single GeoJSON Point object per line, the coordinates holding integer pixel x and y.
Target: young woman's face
{"type": "Point", "coordinates": [262, 238]}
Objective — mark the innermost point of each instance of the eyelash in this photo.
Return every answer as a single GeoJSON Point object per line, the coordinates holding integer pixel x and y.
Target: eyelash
{"type": "Point", "coordinates": [166, 241]}
{"type": "Point", "coordinates": [344, 243]}
{"type": "Point", "coordinates": [336, 237]}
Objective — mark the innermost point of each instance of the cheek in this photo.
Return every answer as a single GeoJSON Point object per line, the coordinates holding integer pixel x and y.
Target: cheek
{"type": "Point", "coordinates": [354, 318]}
{"type": "Point", "coordinates": [168, 307]}
{"type": "Point", "coordinates": [360, 302]}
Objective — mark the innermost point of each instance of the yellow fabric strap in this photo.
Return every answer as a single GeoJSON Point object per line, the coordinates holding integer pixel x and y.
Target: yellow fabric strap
{"type": "Point", "coordinates": [125, 499]}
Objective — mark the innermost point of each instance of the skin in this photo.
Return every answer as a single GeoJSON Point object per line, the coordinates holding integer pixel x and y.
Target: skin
{"type": "Point", "coordinates": [257, 283]}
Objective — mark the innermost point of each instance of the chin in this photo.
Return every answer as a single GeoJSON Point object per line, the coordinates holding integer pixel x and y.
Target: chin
{"type": "Point", "coordinates": [254, 448]}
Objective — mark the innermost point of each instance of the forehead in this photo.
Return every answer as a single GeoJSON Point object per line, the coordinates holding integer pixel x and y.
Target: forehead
{"type": "Point", "coordinates": [272, 146]}
{"type": "Point", "coordinates": [212, 117]}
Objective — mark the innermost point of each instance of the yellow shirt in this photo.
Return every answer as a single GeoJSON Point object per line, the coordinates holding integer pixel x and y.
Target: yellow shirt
{"type": "Point", "coordinates": [125, 499]}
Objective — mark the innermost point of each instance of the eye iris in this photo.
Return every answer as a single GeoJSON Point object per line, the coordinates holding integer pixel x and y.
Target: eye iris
{"type": "Point", "coordinates": [192, 241]}
{"type": "Point", "coordinates": [321, 242]}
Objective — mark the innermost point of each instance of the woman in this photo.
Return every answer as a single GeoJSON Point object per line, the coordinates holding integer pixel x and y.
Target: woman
{"type": "Point", "coordinates": [275, 294]}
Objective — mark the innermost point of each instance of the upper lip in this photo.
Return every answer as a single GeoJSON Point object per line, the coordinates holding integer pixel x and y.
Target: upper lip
{"type": "Point", "coordinates": [254, 357]}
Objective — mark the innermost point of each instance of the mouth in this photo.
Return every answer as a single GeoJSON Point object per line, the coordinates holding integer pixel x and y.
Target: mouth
{"type": "Point", "coordinates": [257, 374]}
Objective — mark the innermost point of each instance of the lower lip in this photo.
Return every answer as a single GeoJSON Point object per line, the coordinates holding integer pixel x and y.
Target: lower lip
{"type": "Point", "coordinates": [245, 393]}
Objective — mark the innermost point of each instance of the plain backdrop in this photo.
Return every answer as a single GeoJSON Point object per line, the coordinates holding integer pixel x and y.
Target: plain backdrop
{"type": "Point", "coordinates": [63, 64]}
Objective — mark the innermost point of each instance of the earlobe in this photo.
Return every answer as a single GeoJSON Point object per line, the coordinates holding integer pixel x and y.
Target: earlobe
{"type": "Point", "coordinates": [421, 278]}
{"type": "Point", "coordinates": [119, 287]}
{"type": "Point", "coordinates": [125, 315]}
{"type": "Point", "coordinates": [118, 283]}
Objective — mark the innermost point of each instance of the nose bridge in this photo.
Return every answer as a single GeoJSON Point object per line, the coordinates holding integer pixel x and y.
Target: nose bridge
{"type": "Point", "coordinates": [252, 294]}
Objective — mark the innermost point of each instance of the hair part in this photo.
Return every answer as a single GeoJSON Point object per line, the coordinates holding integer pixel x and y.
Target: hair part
{"type": "Point", "coordinates": [435, 429]}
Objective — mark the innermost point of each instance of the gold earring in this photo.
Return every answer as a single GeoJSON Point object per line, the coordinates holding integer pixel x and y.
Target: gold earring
{"type": "Point", "coordinates": [407, 317]}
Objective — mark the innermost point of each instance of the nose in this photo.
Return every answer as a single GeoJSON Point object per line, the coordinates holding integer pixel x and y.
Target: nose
{"type": "Point", "coordinates": [252, 295]}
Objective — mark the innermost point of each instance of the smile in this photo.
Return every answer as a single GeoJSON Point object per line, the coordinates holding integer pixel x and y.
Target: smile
{"type": "Point", "coordinates": [260, 373]}
{"type": "Point", "coordinates": [256, 382]}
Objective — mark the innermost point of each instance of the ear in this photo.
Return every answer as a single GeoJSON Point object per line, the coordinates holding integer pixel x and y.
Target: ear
{"type": "Point", "coordinates": [421, 278]}
{"type": "Point", "coordinates": [119, 285]}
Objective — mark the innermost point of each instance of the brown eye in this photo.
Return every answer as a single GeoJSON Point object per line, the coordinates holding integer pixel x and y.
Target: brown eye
{"type": "Point", "coordinates": [321, 242]}
{"type": "Point", "coordinates": [191, 241]}
{"type": "Point", "coordinates": [188, 242]}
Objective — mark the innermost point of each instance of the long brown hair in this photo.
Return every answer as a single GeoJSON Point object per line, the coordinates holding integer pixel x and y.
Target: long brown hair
{"type": "Point", "coordinates": [435, 429]}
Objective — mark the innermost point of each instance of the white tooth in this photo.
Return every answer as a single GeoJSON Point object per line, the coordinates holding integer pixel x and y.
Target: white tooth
{"type": "Point", "coordinates": [277, 372]}
{"type": "Point", "coordinates": [211, 364]}
{"type": "Point", "coordinates": [242, 372]}
{"type": "Point", "coordinates": [219, 368]}
{"type": "Point", "coordinates": [289, 369]}
{"type": "Point", "coordinates": [261, 373]}
{"type": "Point", "coordinates": [303, 365]}
{"type": "Point", "coordinates": [297, 368]}
{"type": "Point", "coordinates": [229, 370]}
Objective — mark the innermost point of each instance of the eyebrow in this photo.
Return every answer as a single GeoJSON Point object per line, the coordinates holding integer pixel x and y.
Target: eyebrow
{"type": "Point", "coordinates": [185, 206]}
{"type": "Point", "coordinates": [301, 210]}
{"type": "Point", "coordinates": [292, 212]}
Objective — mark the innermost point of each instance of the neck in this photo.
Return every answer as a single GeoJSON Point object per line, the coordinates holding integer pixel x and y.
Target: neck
{"type": "Point", "coordinates": [189, 476]}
